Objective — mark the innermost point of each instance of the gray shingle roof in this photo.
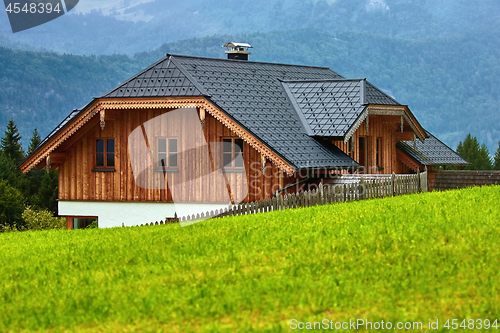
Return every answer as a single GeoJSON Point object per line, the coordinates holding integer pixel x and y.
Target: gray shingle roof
{"type": "Point", "coordinates": [163, 78]}
{"type": "Point", "coordinates": [374, 95]}
{"type": "Point", "coordinates": [431, 152]}
{"type": "Point", "coordinates": [327, 107]}
{"type": "Point", "coordinates": [249, 92]}
{"type": "Point", "coordinates": [331, 107]}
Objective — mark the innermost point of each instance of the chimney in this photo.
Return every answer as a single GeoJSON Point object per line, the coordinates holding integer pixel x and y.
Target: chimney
{"type": "Point", "coordinates": [237, 51]}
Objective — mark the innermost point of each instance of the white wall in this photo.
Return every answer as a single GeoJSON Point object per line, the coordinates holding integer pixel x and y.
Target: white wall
{"type": "Point", "coordinates": [113, 214]}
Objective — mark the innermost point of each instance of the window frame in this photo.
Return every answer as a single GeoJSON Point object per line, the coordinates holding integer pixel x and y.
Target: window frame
{"type": "Point", "coordinates": [350, 151]}
{"type": "Point", "coordinates": [233, 166]}
{"type": "Point", "coordinates": [105, 154]}
{"type": "Point", "coordinates": [167, 167]}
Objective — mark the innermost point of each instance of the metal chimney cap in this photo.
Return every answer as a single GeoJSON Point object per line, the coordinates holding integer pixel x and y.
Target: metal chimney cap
{"type": "Point", "coordinates": [237, 51]}
{"type": "Point", "coordinates": [237, 45]}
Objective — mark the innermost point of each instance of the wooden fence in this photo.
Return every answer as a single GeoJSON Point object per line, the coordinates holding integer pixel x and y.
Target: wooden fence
{"type": "Point", "coordinates": [352, 188]}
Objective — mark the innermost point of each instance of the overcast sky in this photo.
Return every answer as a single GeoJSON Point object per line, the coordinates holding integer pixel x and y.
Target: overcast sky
{"type": "Point", "coordinates": [85, 6]}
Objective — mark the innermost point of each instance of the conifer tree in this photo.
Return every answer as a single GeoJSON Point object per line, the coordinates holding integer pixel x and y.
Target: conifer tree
{"type": "Point", "coordinates": [11, 206]}
{"type": "Point", "coordinates": [11, 143]}
{"type": "Point", "coordinates": [35, 141]}
{"type": "Point", "coordinates": [477, 156]}
{"type": "Point", "coordinates": [496, 164]}
{"type": "Point", "coordinates": [47, 196]}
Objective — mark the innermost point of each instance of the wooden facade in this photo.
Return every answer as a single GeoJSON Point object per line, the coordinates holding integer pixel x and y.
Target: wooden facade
{"type": "Point", "coordinates": [73, 152]}
{"type": "Point", "coordinates": [373, 144]}
{"type": "Point", "coordinates": [81, 180]}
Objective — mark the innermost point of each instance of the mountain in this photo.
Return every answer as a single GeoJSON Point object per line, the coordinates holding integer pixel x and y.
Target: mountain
{"type": "Point", "coordinates": [40, 89]}
{"type": "Point", "coordinates": [131, 26]}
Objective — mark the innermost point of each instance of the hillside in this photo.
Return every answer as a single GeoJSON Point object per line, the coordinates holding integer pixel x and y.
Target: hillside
{"type": "Point", "coordinates": [400, 259]}
{"type": "Point", "coordinates": [448, 82]}
{"type": "Point", "coordinates": [131, 26]}
{"type": "Point", "coordinates": [41, 89]}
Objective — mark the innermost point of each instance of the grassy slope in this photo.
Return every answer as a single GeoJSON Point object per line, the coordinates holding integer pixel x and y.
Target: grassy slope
{"type": "Point", "coordinates": [418, 257]}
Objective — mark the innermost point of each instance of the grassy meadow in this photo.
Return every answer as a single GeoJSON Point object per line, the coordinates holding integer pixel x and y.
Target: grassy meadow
{"type": "Point", "coordinates": [410, 258]}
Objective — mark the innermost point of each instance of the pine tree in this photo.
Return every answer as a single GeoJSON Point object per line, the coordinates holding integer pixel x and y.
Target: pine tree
{"type": "Point", "coordinates": [11, 143]}
{"type": "Point", "coordinates": [496, 164]}
{"type": "Point", "coordinates": [47, 196]}
{"type": "Point", "coordinates": [35, 141]}
{"type": "Point", "coordinates": [11, 206]}
{"type": "Point", "coordinates": [477, 156]}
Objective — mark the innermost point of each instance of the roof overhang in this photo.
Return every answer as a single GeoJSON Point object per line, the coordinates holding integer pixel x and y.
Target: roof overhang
{"type": "Point", "coordinates": [99, 106]}
{"type": "Point", "coordinates": [388, 110]}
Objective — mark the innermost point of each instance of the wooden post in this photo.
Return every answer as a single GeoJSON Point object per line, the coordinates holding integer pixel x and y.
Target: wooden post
{"type": "Point", "coordinates": [321, 193]}
{"type": "Point", "coordinates": [362, 186]}
{"type": "Point", "coordinates": [69, 223]}
{"type": "Point", "coordinates": [393, 186]}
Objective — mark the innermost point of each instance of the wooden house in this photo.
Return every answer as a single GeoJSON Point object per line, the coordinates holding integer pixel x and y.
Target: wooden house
{"type": "Point", "coordinates": [262, 126]}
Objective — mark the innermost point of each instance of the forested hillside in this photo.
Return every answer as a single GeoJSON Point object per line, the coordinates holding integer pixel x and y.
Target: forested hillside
{"type": "Point", "coordinates": [39, 89]}
{"type": "Point", "coordinates": [450, 83]}
{"type": "Point", "coordinates": [132, 26]}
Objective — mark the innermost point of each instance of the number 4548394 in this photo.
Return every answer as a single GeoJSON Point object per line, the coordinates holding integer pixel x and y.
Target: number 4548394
{"type": "Point", "coordinates": [33, 8]}
{"type": "Point", "coordinates": [471, 324]}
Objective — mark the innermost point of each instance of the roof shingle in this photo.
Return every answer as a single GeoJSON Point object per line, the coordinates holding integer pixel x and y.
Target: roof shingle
{"type": "Point", "coordinates": [431, 152]}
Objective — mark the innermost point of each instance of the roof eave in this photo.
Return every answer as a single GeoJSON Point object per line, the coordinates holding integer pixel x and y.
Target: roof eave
{"type": "Point", "coordinates": [53, 134]}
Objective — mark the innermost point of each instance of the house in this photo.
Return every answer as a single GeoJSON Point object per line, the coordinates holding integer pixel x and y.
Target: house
{"type": "Point", "coordinates": [187, 134]}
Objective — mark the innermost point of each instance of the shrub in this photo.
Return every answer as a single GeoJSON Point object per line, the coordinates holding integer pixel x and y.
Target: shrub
{"type": "Point", "coordinates": [93, 225]}
{"type": "Point", "coordinates": [7, 228]}
{"type": "Point", "coordinates": [42, 220]}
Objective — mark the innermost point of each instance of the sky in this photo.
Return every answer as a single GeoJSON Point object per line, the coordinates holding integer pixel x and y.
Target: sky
{"type": "Point", "coordinates": [109, 6]}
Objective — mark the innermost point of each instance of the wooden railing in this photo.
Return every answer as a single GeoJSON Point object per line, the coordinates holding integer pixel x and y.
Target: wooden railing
{"type": "Point", "coordinates": [350, 188]}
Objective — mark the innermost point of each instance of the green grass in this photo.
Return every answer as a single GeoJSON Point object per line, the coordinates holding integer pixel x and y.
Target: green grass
{"type": "Point", "coordinates": [410, 258]}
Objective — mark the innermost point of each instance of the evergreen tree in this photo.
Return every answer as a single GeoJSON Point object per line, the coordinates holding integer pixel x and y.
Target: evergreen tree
{"type": "Point", "coordinates": [35, 141]}
{"type": "Point", "coordinates": [34, 176]}
{"type": "Point", "coordinates": [8, 170]}
{"type": "Point", "coordinates": [11, 143]}
{"type": "Point", "coordinates": [11, 206]}
{"type": "Point", "coordinates": [477, 156]}
{"type": "Point", "coordinates": [48, 194]}
{"type": "Point", "coordinates": [496, 164]}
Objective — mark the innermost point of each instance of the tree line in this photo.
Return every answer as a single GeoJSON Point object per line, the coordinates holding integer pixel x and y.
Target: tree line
{"type": "Point", "coordinates": [478, 155]}
{"type": "Point", "coordinates": [27, 201]}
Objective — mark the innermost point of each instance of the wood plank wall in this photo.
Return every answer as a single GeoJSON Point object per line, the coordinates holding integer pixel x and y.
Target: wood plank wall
{"type": "Point", "coordinates": [78, 182]}
{"type": "Point", "coordinates": [378, 126]}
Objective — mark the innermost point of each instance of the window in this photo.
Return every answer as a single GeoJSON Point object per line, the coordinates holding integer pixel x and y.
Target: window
{"type": "Point", "coordinates": [379, 152]}
{"type": "Point", "coordinates": [363, 156]}
{"type": "Point", "coordinates": [167, 153]}
{"type": "Point", "coordinates": [232, 153]}
{"type": "Point", "coordinates": [105, 153]}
